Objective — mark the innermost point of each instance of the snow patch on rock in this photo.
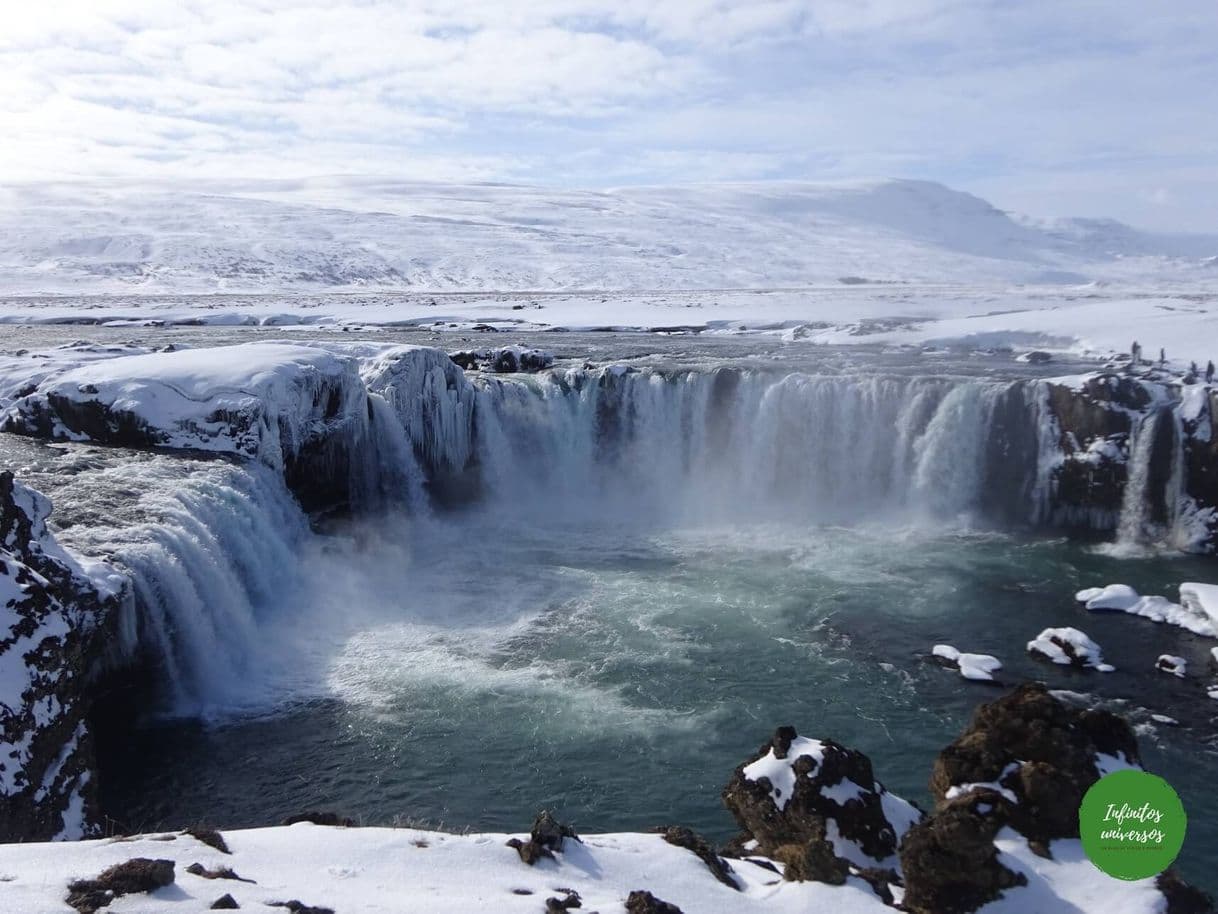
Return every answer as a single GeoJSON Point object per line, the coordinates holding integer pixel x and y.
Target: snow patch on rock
{"type": "Point", "coordinates": [1069, 647]}
{"type": "Point", "coordinates": [979, 667]}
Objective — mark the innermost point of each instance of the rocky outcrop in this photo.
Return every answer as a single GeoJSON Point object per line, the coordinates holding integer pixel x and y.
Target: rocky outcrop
{"type": "Point", "coordinates": [135, 876]}
{"type": "Point", "coordinates": [1093, 420]}
{"type": "Point", "coordinates": [299, 409]}
{"type": "Point", "coordinates": [1152, 429]}
{"type": "Point", "coordinates": [53, 622]}
{"type": "Point", "coordinates": [816, 807]}
{"type": "Point", "coordinates": [504, 359]}
{"type": "Point", "coordinates": [1037, 752]}
{"type": "Point", "coordinates": [1199, 423]}
{"type": "Point", "coordinates": [1019, 770]}
{"type": "Point", "coordinates": [950, 862]}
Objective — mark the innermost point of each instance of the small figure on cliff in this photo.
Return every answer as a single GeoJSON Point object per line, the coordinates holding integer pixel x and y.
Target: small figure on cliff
{"type": "Point", "coordinates": [1162, 356]}
{"type": "Point", "coordinates": [1135, 354]}
{"type": "Point", "coordinates": [1209, 372]}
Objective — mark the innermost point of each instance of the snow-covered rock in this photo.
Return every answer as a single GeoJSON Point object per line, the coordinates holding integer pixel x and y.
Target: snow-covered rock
{"type": "Point", "coordinates": [1069, 647]}
{"type": "Point", "coordinates": [1189, 614]}
{"type": "Point", "coordinates": [54, 614]}
{"type": "Point", "coordinates": [262, 401]}
{"type": "Point", "coordinates": [1169, 663]}
{"type": "Point", "coordinates": [816, 806]}
{"type": "Point", "coordinates": [1201, 600]}
{"type": "Point", "coordinates": [979, 667]}
{"type": "Point", "coordinates": [505, 359]}
{"type": "Point", "coordinates": [302, 410]}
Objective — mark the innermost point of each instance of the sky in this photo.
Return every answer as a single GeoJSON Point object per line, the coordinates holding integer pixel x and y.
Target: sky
{"type": "Point", "coordinates": [1101, 108]}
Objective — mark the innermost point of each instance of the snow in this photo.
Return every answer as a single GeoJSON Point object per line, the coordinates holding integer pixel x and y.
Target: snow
{"type": "Point", "coordinates": [406, 871]}
{"type": "Point", "coordinates": [979, 667]}
{"type": "Point", "coordinates": [1114, 596]}
{"type": "Point", "coordinates": [1051, 644]}
{"type": "Point", "coordinates": [1106, 763]}
{"type": "Point", "coordinates": [888, 262]}
{"type": "Point", "coordinates": [343, 234]}
{"type": "Point", "coordinates": [1067, 882]}
{"type": "Point", "coordinates": [1168, 663]}
{"type": "Point", "coordinates": [781, 772]}
{"type": "Point", "coordinates": [192, 399]}
{"type": "Point", "coordinates": [958, 790]}
{"type": "Point", "coordinates": [1201, 600]}
{"type": "Point", "coordinates": [1191, 613]}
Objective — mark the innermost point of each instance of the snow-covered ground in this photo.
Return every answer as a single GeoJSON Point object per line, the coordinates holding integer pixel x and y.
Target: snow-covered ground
{"type": "Point", "coordinates": [1080, 321]}
{"type": "Point", "coordinates": [404, 871]}
{"type": "Point", "coordinates": [883, 261]}
{"type": "Point", "coordinates": [336, 233]}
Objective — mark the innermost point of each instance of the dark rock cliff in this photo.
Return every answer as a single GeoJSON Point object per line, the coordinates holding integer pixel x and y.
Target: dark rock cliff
{"type": "Point", "coordinates": [53, 622]}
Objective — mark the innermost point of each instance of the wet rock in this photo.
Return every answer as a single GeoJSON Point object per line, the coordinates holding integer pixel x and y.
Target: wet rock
{"type": "Point", "coordinates": [880, 880]}
{"type": "Point", "coordinates": [225, 903]}
{"type": "Point", "coordinates": [546, 836]}
{"type": "Point", "coordinates": [466, 359]}
{"type": "Point", "coordinates": [641, 902]}
{"type": "Point", "coordinates": [784, 797]}
{"type": "Point", "coordinates": [139, 874]}
{"type": "Point", "coordinates": [1038, 749]}
{"type": "Point", "coordinates": [210, 837]}
{"type": "Point", "coordinates": [812, 860]}
{"type": "Point", "coordinates": [1181, 897]}
{"type": "Point", "coordinates": [299, 907]}
{"type": "Point", "coordinates": [555, 905]}
{"type": "Point", "coordinates": [949, 860]}
{"type": "Point", "coordinates": [223, 872]}
{"type": "Point", "coordinates": [680, 836]}
{"type": "Point", "coordinates": [321, 818]}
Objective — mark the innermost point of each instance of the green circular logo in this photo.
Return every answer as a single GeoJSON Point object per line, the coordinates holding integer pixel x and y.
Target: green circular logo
{"type": "Point", "coordinates": [1132, 824]}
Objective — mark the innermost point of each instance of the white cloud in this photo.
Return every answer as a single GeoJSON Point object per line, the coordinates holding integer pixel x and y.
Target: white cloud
{"type": "Point", "coordinates": [983, 94]}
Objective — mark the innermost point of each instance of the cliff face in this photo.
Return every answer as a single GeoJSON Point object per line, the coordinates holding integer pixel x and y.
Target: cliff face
{"type": "Point", "coordinates": [1135, 452]}
{"type": "Point", "coordinates": [53, 620]}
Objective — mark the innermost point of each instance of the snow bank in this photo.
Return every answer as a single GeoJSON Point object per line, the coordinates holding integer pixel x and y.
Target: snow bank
{"type": "Point", "coordinates": [1201, 600]}
{"type": "Point", "coordinates": [1191, 613]}
{"type": "Point", "coordinates": [404, 871]}
{"type": "Point", "coordinates": [256, 400]}
{"type": "Point", "coordinates": [980, 667]}
{"type": "Point", "coordinates": [1069, 647]}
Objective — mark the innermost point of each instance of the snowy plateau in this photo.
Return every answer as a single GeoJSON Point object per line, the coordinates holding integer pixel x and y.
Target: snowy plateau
{"type": "Point", "coordinates": [883, 261]}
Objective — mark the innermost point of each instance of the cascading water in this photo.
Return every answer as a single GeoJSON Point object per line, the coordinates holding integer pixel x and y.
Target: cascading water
{"type": "Point", "coordinates": [1153, 489]}
{"type": "Point", "coordinates": [716, 445]}
{"type": "Point", "coordinates": [211, 549]}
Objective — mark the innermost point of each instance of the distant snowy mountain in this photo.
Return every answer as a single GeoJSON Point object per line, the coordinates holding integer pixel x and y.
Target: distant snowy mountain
{"type": "Point", "coordinates": [337, 234]}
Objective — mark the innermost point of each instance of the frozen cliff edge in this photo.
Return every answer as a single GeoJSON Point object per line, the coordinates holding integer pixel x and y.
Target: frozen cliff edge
{"type": "Point", "coordinates": [54, 614]}
{"type": "Point", "coordinates": [819, 833]}
{"type": "Point", "coordinates": [1136, 453]}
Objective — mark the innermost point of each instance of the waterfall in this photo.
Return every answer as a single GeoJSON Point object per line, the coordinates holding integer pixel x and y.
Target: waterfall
{"type": "Point", "coordinates": [210, 548]}
{"type": "Point", "coordinates": [697, 445]}
{"type": "Point", "coordinates": [1154, 480]}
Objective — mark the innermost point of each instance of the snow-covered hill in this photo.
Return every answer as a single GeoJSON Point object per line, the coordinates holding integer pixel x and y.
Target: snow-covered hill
{"type": "Point", "coordinates": [348, 233]}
